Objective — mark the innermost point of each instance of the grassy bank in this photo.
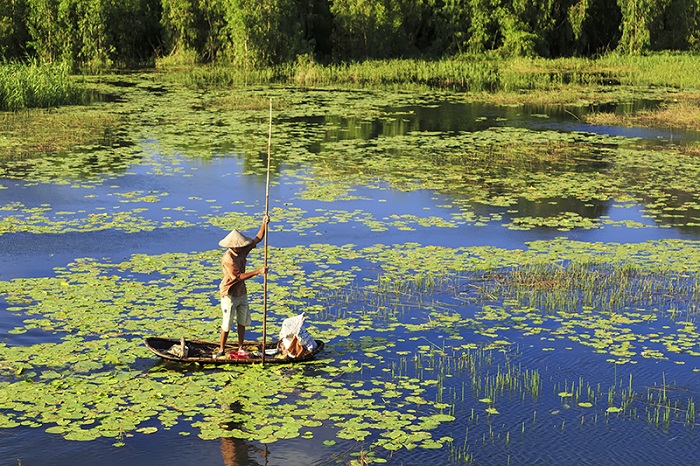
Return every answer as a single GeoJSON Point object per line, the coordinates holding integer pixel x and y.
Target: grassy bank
{"type": "Point", "coordinates": [468, 73]}
{"type": "Point", "coordinates": [666, 77]}
{"type": "Point", "coordinates": [486, 77]}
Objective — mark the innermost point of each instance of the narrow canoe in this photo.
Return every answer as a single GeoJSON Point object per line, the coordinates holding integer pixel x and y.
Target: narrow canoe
{"type": "Point", "coordinates": [202, 352]}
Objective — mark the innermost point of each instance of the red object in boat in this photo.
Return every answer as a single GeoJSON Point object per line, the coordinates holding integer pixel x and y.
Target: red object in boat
{"type": "Point", "coordinates": [240, 354]}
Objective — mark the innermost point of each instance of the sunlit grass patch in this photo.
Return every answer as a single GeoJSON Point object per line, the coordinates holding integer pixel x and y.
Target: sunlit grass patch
{"type": "Point", "coordinates": [683, 114]}
{"type": "Point", "coordinates": [39, 131]}
{"type": "Point", "coordinates": [665, 69]}
{"type": "Point", "coordinates": [216, 76]}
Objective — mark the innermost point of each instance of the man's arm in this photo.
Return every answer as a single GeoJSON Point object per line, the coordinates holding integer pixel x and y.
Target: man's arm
{"type": "Point", "coordinates": [263, 228]}
{"type": "Point", "coordinates": [247, 275]}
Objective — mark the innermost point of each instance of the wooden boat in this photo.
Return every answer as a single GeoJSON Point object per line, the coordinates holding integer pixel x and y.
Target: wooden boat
{"type": "Point", "coordinates": [203, 351]}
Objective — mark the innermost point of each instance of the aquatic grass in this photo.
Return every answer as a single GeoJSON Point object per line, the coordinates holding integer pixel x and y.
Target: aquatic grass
{"type": "Point", "coordinates": [666, 404]}
{"type": "Point", "coordinates": [38, 132]}
{"type": "Point", "coordinates": [683, 114]}
{"type": "Point", "coordinates": [33, 85]}
{"type": "Point", "coordinates": [217, 76]}
{"type": "Point", "coordinates": [582, 284]}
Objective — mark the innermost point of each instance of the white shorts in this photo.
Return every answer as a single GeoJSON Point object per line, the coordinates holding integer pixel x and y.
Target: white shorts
{"type": "Point", "coordinates": [237, 304]}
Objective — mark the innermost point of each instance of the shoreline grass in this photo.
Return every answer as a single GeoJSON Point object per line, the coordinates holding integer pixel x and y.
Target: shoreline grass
{"type": "Point", "coordinates": [466, 73]}
{"type": "Point", "coordinates": [665, 77]}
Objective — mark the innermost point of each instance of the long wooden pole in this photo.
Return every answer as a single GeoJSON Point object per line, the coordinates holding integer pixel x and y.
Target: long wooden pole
{"type": "Point", "coordinates": [267, 210]}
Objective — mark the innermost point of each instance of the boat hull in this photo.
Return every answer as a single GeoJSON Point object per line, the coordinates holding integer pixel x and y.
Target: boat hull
{"type": "Point", "coordinates": [201, 352]}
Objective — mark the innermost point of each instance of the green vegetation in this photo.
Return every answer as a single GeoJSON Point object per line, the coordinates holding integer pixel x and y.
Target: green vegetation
{"type": "Point", "coordinates": [31, 123]}
{"type": "Point", "coordinates": [34, 85]}
{"type": "Point", "coordinates": [482, 73]}
{"type": "Point", "coordinates": [93, 34]}
{"type": "Point", "coordinates": [680, 115]}
{"type": "Point", "coordinates": [90, 381]}
{"type": "Point", "coordinates": [508, 81]}
{"type": "Point", "coordinates": [453, 349]}
{"type": "Point", "coordinates": [38, 131]}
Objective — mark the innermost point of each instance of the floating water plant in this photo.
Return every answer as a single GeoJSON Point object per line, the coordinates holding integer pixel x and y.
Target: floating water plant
{"type": "Point", "coordinates": [436, 347]}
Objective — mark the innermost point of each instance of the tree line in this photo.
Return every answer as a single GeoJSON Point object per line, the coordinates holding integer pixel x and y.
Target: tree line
{"type": "Point", "coordinates": [97, 34]}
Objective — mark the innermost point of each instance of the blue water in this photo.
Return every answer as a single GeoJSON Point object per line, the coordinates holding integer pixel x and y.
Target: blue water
{"type": "Point", "coordinates": [556, 436]}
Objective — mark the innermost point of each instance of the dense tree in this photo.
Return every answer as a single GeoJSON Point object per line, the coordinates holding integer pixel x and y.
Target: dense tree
{"type": "Point", "coordinates": [96, 34]}
{"type": "Point", "coordinates": [263, 32]}
{"type": "Point", "coordinates": [677, 26]}
{"type": "Point", "coordinates": [365, 28]}
{"type": "Point", "coordinates": [93, 33]}
{"type": "Point", "coordinates": [637, 16]}
{"type": "Point", "coordinates": [452, 20]}
{"type": "Point", "coordinates": [317, 25]}
{"type": "Point", "coordinates": [242, 32]}
{"type": "Point", "coordinates": [13, 28]}
{"type": "Point", "coordinates": [595, 26]}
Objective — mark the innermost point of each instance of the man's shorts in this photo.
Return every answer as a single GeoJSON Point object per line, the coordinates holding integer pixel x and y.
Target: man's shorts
{"type": "Point", "coordinates": [237, 305]}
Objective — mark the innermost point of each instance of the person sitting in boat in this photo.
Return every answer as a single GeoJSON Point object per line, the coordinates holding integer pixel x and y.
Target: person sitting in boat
{"type": "Point", "coordinates": [234, 299]}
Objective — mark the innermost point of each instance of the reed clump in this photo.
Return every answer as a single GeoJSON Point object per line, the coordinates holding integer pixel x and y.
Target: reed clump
{"type": "Point", "coordinates": [577, 284]}
{"type": "Point", "coordinates": [33, 85]}
{"type": "Point", "coordinates": [220, 76]}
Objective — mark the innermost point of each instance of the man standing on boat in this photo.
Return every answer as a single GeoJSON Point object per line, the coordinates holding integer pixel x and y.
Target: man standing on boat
{"type": "Point", "coordinates": [234, 298]}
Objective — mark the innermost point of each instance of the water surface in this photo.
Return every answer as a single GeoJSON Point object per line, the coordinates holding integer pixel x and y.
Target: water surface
{"type": "Point", "coordinates": [387, 211]}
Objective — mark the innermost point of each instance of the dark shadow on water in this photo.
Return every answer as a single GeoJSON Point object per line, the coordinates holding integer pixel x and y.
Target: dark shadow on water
{"type": "Point", "coordinates": [238, 452]}
{"type": "Point", "coordinates": [457, 117]}
{"type": "Point", "coordinates": [555, 206]}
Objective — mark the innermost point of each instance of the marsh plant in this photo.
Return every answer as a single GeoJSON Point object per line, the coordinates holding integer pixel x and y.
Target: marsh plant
{"type": "Point", "coordinates": [575, 285]}
{"type": "Point", "coordinates": [34, 85]}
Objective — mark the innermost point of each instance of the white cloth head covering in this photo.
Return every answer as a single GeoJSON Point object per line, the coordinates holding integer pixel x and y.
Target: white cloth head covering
{"type": "Point", "coordinates": [235, 239]}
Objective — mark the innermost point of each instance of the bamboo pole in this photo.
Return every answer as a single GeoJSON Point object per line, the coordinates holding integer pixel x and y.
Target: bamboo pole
{"type": "Point", "coordinates": [267, 210]}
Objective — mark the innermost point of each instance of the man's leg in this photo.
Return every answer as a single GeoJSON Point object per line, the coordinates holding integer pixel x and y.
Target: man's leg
{"type": "Point", "coordinates": [241, 335]}
{"type": "Point", "coordinates": [242, 318]}
{"type": "Point", "coordinates": [222, 340]}
{"type": "Point", "coordinates": [226, 306]}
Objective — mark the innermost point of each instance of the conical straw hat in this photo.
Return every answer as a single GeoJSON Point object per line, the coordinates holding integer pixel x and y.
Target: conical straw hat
{"type": "Point", "coordinates": [235, 240]}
